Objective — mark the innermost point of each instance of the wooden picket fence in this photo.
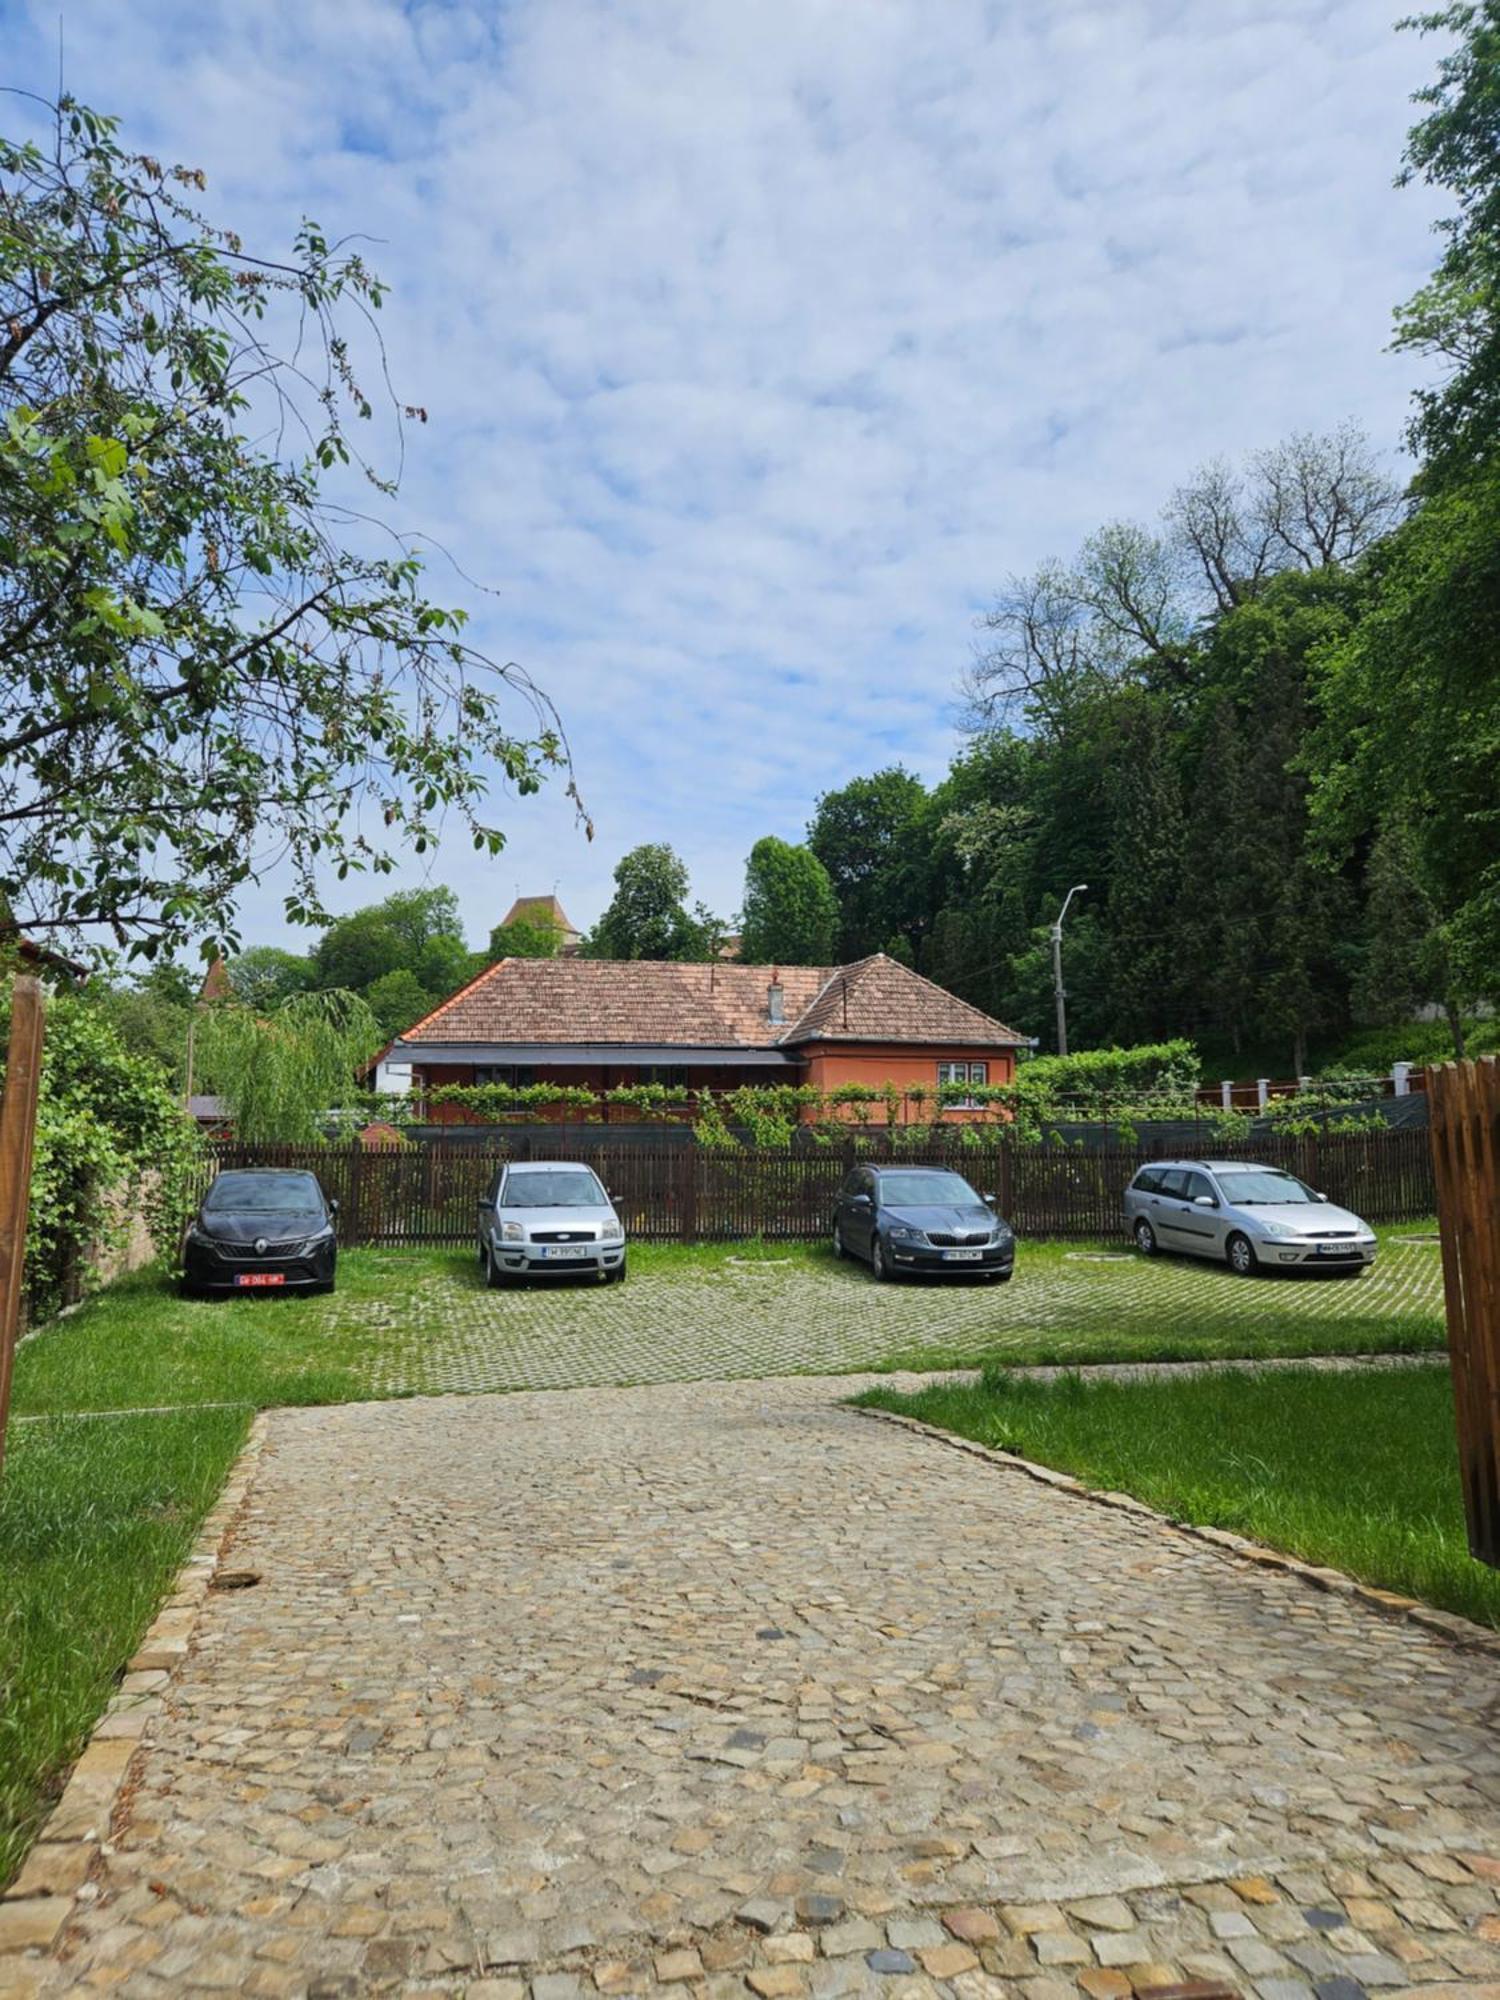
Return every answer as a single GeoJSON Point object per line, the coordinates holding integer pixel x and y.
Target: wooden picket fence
{"type": "Point", "coordinates": [429, 1193]}
{"type": "Point", "coordinates": [1466, 1156]}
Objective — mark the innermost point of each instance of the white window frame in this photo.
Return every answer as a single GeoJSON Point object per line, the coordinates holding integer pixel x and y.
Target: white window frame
{"type": "Point", "coordinates": [963, 1072]}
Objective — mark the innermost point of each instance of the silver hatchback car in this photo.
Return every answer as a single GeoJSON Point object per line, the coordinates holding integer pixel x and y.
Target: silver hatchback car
{"type": "Point", "coordinates": [1253, 1217]}
{"type": "Point", "coordinates": [548, 1218]}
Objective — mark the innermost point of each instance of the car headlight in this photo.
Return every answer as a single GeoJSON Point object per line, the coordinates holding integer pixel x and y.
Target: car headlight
{"type": "Point", "coordinates": [612, 1232]}
{"type": "Point", "coordinates": [512, 1232]}
{"type": "Point", "coordinates": [318, 1238]}
{"type": "Point", "coordinates": [1282, 1232]}
{"type": "Point", "coordinates": [902, 1232]}
{"type": "Point", "coordinates": [1001, 1233]}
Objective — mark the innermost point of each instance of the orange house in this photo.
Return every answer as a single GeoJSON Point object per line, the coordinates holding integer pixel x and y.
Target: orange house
{"type": "Point", "coordinates": [603, 1023]}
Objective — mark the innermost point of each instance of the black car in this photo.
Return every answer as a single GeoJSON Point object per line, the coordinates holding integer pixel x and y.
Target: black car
{"type": "Point", "coordinates": [261, 1229]}
{"type": "Point", "coordinates": [921, 1219]}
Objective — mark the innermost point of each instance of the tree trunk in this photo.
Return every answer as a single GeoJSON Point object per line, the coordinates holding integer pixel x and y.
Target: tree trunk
{"type": "Point", "coordinates": [1455, 1027]}
{"type": "Point", "coordinates": [1299, 1053]}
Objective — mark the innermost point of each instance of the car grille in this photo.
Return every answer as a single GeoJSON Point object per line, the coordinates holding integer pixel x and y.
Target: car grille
{"type": "Point", "coordinates": [562, 1235]}
{"type": "Point", "coordinates": [1331, 1236]}
{"type": "Point", "coordinates": [947, 1241]}
{"type": "Point", "coordinates": [246, 1253]}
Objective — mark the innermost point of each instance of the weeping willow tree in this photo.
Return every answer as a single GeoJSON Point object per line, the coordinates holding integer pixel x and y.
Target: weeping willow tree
{"type": "Point", "coordinates": [281, 1074]}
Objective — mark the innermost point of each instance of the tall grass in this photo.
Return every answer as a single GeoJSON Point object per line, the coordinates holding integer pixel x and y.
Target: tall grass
{"type": "Point", "coordinates": [96, 1516]}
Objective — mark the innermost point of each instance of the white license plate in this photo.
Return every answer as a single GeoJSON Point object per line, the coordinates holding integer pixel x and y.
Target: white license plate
{"type": "Point", "coordinates": [1335, 1249]}
{"type": "Point", "coordinates": [962, 1256]}
{"type": "Point", "coordinates": [564, 1249]}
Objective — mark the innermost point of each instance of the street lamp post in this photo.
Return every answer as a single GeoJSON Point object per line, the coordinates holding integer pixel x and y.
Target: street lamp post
{"type": "Point", "coordinates": [1057, 978]}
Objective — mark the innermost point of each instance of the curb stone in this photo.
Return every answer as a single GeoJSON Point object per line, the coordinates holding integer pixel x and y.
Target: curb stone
{"type": "Point", "coordinates": [59, 1870]}
{"type": "Point", "coordinates": [1459, 1631]}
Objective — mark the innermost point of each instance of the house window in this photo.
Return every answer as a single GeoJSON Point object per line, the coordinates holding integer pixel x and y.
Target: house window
{"type": "Point", "coordinates": [963, 1072]}
{"type": "Point", "coordinates": [674, 1075]}
{"type": "Point", "coordinates": [517, 1075]}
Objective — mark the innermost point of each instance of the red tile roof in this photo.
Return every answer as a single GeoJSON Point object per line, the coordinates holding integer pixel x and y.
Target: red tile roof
{"type": "Point", "coordinates": [593, 1001]}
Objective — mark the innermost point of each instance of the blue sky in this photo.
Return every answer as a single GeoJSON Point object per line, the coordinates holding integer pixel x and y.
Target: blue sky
{"type": "Point", "coordinates": [761, 343]}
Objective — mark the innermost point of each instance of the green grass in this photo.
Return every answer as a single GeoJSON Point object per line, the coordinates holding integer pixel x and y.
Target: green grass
{"type": "Point", "coordinates": [96, 1517]}
{"type": "Point", "coordinates": [1357, 1471]}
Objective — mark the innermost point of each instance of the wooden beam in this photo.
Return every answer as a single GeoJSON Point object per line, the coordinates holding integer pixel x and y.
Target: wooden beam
{"type": "Point", "coordinates": [23, 1075]}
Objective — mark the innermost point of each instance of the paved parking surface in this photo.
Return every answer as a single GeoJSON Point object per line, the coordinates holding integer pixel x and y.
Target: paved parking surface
{"type": "Point", "coordinates": [765, 1318]}
{"type": "Point", "coordinates": [726, 1688]}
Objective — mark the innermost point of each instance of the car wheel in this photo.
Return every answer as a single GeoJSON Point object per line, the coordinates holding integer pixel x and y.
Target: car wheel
{"type": "Point", "coordinates": [1145, 1238]}
{"type": "Point", "coordinates": [494, 1278]}
{"type": "Point", "coordinates": [838, 1242]}
{"type": "Point", "coordinates": [1242, 1258]}
{"type": "Point", "coordinates": [617, 1275]}
{"type": "Point", "coordinates": [878, 1264]}
{"type": "Point", "coordinates": [1002, 1277]}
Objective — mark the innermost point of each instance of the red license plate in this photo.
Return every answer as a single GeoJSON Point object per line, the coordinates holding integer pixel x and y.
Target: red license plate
{"type": "Point", "coordinates": [260, 1277]}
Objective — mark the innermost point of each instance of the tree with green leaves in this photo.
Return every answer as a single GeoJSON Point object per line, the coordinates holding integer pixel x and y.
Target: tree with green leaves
{"type": "Point", "coordinates": [419, 931]}
{"type": "Point", "coordinates": [283, 1076]}
{"type": "Point", "coordinates": [1455, 317]}
{"type": "Point", "coordinates": [790, 914]}
{"type": "Point", "coordinates": [398, 1000]}
{"type": "Point", "coordinates": [867, 836]}
{"type": "Point", "coordinates": [648, 916]}
{"type": "Point", "coordinates": [525, 937]}
{"type": "Point", "coordinates": [201, 661]}
{"type": "Point", "coordinates": [265, 975]}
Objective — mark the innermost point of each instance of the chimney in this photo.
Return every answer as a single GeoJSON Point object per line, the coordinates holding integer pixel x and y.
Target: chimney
{"type": "Point", "coordinates": [775, 1000]}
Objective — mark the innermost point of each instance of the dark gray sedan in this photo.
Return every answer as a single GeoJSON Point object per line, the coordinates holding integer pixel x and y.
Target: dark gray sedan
{"type": "Point", "coordinates": [921, 1219]}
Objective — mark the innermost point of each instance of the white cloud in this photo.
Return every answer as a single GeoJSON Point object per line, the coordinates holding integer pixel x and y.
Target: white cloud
{"type": "Point", "coordinates": [760, 343]}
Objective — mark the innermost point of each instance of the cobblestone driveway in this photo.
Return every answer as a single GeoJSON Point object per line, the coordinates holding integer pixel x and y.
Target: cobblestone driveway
{"type": "Point", "coordinates": [727, 1688]}
{"type": "Point", "coordinates": [766, 1318]}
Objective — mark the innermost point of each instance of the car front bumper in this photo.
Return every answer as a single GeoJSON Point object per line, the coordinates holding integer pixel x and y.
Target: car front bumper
{"type": "Point", "coordinates": [525, 1260]}
{"type": "Point", "coordinates": [204, 1269]}
{"type": "Point", "coordinates": [1343, 1256]}
{"type": "Point", "coordinates": [930, 1257]}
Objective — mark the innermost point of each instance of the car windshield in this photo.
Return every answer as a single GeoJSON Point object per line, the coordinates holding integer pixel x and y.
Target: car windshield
{"type": "Point", "coordinates": [263, 1194]}
{"type": "Point", "coordinates": [927, 1191]}
{"type": "Point", "coordinates": [1260, 1186]}
{"type": "Point", "coordinates": [557, 1187]}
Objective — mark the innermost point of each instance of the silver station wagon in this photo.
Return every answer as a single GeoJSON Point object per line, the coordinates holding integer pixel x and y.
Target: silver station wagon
{"type": "Point", "coordinates": [1252, 1217]}
{"type": "Point", "coordinates": [549, 1218]}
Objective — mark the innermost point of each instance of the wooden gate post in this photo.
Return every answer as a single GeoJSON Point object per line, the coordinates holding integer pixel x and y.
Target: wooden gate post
{"type": "Point", "coordinates": [23, 1075]}
{"type": "Point", "coordinates": [1465, 1132]}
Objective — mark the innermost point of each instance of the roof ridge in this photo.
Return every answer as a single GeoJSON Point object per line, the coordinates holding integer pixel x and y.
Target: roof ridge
{"type": "Point", "coordinates": [457, 994]}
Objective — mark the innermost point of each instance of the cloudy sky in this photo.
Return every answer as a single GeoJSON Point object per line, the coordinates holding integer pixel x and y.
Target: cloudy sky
{"type": "Point", "coordinates": [761, 341]}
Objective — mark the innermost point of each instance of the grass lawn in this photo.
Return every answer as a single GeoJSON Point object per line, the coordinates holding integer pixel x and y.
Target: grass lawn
{"type": "Point", "coordinates": [1359, 1471]}
{"type": "Point", "coordinates": [96, 1516]}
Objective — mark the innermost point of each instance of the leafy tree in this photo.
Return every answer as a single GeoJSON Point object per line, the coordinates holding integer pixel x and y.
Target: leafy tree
{"type": "Point", "coordinates": [398, 1000]}
{"type": "Point", "coordinates": [867, 837]}
{"type": "Point", "coordinates": [1411, 697]}
{"type": "Point", "coordinates": [418, 931]}
{"type": "Point", "coordinates": [525, 938]}
{"type": "Point", "coordinates": [647, 916]}
{"type": "Point", "coordinates": [282, 1075]}
{"type": "Point", "coordinates": [1405, 963]}
{"type": "Point", "coordinates": [265, 975]}
{"type": "Point", "coordinates": [112, 1142]}
{"type": "Point", "coordinates": [1455, 316]}
{"type": "Point", "coordinates": [147, 1023]}
{"type": "Point", "coordinates": [1149, 863]}
{"type": "Point", "coordinates": [791, 915]}
{"type": "Point", "coordinates": [196, 667]}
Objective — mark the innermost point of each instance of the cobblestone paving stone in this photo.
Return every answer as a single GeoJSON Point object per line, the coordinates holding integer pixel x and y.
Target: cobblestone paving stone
{"type": "Point", "coordinates": [728, 1690]}
{"type": "Point", "coordinates": [757, 1319]}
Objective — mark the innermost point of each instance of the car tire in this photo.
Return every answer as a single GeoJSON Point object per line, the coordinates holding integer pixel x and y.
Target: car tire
{"type": "Point", "coordinates": [838, 1242]}
{"type": "Point", "coordinates": [1145, 1238]}
{"type": "Point", "coordinates": [494, 1277]}
{"type": "Point", "coordinates": [617, 1276]}
{"type": "Point", "coordinates": [1002, 1277]}
{"type": "Point", "coordinates": [1240, 1252]}
{"type": "Point", "coordinates": [878, 1263]}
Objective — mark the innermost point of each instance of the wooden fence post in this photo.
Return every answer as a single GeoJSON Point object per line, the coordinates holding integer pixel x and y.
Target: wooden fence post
{"type": "Point", "coordinates": [23, 1075]}
{"type": "Point", "coordinates": [1465, 1129]}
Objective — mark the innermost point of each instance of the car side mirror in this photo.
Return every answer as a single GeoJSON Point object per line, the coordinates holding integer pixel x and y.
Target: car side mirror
{"type": "Point", "coordinates": [861, 1201]}
{"type": "Point", "coordinates": [333, 1205]}
{"type": "Point", "coordinates": [1204, 1201]}
{"type": "Point", "coordinates": [1320, 1197]}
{"type": "Point", "coordinates": [988, 1200]}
